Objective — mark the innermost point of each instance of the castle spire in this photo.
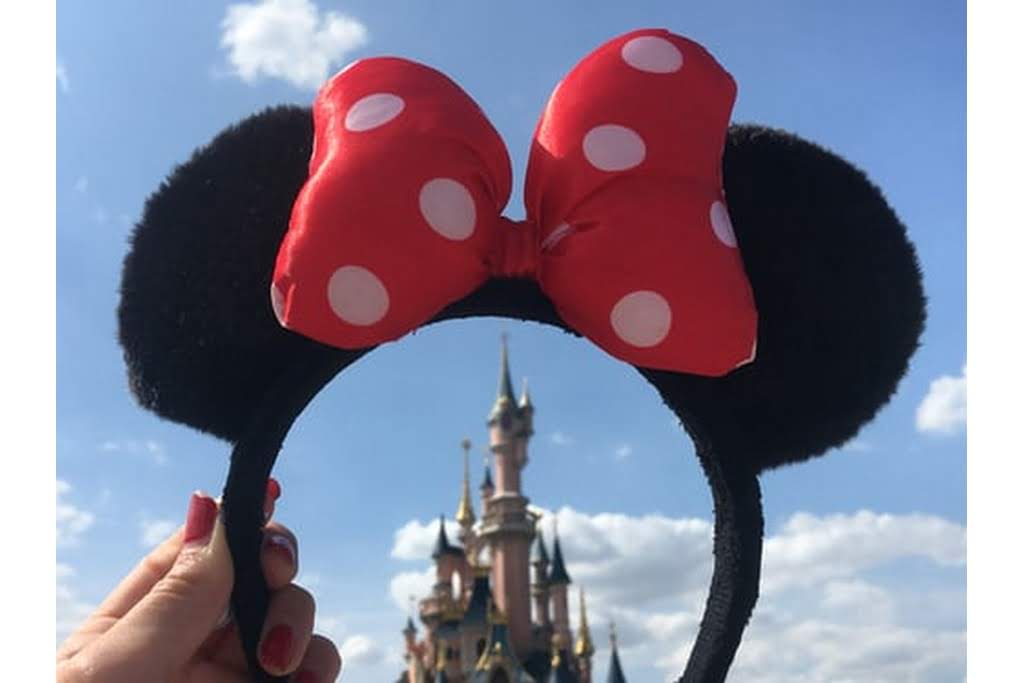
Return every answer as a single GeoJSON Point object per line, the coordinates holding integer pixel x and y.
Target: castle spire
{"type": "Point", "coordinates": [558, 575]}
{"type": "Point", "coordinates": [524, 399]}
{"type": "Point", "coordinates": [615, 674]}
{"type": "Point", "coordinates": [506, 398]}
{"type": "Point", "coordinates": [464, 514]}
{"type": "Point", "coordinates": [442, 546]}
{"type": "Point", "coordinates": [584, 645]}
{"type": "Point", "coordinates": [540, 551]}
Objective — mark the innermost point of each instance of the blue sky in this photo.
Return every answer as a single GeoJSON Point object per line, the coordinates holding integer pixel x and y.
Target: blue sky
{"type": "Point", "coordinates": [140, 85]}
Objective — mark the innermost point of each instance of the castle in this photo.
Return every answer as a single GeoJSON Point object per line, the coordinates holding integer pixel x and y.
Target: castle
{"type": "Point", "coordinates": [488, 618]}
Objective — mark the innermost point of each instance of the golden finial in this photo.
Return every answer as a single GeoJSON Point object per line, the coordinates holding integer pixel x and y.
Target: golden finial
{"type": "Point", "coordinates": [584, 645]}
{"type": "Point", "coordinates": [464, 515]}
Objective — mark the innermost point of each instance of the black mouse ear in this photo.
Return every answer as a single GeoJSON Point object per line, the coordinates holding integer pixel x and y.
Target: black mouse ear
{"type": "Point", "coordinates": [199, 335]}
{"type": "Point", "coordinates": [839, 298]}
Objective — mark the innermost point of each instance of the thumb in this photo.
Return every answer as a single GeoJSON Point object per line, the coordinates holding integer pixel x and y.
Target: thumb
{"type": "Point", "coordinates": [163, 631]}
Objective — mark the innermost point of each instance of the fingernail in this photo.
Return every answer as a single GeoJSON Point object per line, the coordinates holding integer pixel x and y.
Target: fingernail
{"type": "Point", "coordinates": [281, 545]}
{"type": "Point", "coordinates": [201, 516]}
{"type": "Point", "coordinates": [306, 676]}
{"type": "Point", "coordinates": [276, 648]}
{"type": "Point", "coordinates": [273, 493]}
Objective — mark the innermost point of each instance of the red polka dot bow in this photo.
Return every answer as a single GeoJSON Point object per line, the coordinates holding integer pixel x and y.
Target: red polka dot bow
{"type": "Point", "coordinates": [626, 225]}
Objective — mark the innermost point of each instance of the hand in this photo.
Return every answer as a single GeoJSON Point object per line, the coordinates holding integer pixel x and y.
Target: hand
{"type": "Point", "coordinates": [166, 620]}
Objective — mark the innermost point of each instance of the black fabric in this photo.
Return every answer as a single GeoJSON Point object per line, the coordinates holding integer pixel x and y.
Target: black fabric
{"type": "Point", "coordinates": [199, 336]}
{"type": "Point", "coordinates": [835, 279]}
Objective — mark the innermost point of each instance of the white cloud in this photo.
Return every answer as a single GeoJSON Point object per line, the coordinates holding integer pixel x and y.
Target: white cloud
{"type": "Point", "coordinates": [62, 77]}
{"type": "Point", "coordinates": [82, 185]}
{"type": "Point", "coordinates": [561, 439]}
{"type": "Point", "coordinates": [415, 540]}
{"type": "Point", "coordinates": [407, 585]}
{"type": "Point", "coordinates": [153, 532]}
{"type": "Point", "coordinates": [71, 610]}
{"type": "Point", "coordinates": [290, 40]}
{"type": "Point", "coordinates": [944, 409]}
{"type": "Point", "coordinates": [623, 451]}
{"type": "Point", "coordinates": [149, 448]}
{"type": "Point", "coordinates": [833, 607]}
{"type": "Point", "coordinates": [72, 521]}
{"type": "Point", "coordinates": [358, 650]}
{"type": "Point", "coordinates": [811, 549]}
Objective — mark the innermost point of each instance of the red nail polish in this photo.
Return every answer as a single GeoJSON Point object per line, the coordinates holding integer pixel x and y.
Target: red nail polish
{"type": "Point", "coordinates": [306, 676]}
{"type": "Point", "coordinates": [282, 545]}
{"type": "Point", "coordinates": [201, 516]}
{"type": "Point", "coordinates": [276, 648]}
{"type": "Point", "coordinates": [272, 494]}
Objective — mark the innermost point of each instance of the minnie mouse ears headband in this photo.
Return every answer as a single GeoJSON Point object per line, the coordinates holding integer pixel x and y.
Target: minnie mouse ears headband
{"type": "Point", "coordinates": [759, 282]}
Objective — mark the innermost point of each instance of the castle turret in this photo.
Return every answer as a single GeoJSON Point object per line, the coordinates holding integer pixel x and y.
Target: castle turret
{"type": "Point", "coordinates": [507, 525]}
{"type": "Point", "coordinates": [539, 586]}
{"type": "Point", "coordinates": [526, 409]}
{"type": "Point", "coordinates": [615, 674]}
{"type": "Point", "coordinates": [498, 661]}
{"type": "Point", "coordinates": [558, 589]}
{"type": "Point", "coordinates": [486, 489]}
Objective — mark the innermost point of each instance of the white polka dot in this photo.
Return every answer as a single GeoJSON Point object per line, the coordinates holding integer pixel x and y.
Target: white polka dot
{"type": "Point", "coordinates": [722, 225]}
{"type": "Point", "coordinates": [642, 318]}
{"type": "Point", "coordinates": [277, 303]}
{"type": "Point", "coordinates": [556, 236]}
{"type": "Point", "coordinates": [613, 148]}
{"type": "Point", "coordinates": [448, 207]}
{"type": "Point", "coordinates": [357, 296]}
{"type": "Point", "coordinates": [652, 54]}
{"type": "Point", "coordinates": [372, 111]}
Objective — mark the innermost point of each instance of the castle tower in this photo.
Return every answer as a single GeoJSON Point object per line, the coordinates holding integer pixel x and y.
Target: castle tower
{"type": "Point", "coordinates": [507, 525]}
{"type": "Point", "coordinates": [615, 674]}
{"type": "Point", "coordinates": [584, 649]}
{"type": "Point", "coordinates": [539, 587]}
{"type": "Point", "coordinates": [558, 589]}
{"type": "Point", "coordinates": [486, 489]}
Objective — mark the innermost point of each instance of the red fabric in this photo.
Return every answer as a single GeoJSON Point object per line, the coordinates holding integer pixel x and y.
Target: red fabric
{"type": "Point", "coordinates": [626, 231]}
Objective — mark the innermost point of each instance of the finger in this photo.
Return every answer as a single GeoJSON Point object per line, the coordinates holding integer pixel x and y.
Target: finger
{"type": "Point", "coordinates": [142, 578]}
{"type": "Point", "coordinates": [166, 627]}
{"type": "Point", "coordinates": [279, 555]}
{"type": "Point", "coordinates": [322, 663]}
{"type": "Point", "coordinates": [287, 630]}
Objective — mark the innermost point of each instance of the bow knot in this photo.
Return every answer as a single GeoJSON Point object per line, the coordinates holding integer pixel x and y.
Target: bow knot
{"type": "Point", "coordinates": [626, 228]}
{"type": "Point", "coordinates": [517, 249]}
